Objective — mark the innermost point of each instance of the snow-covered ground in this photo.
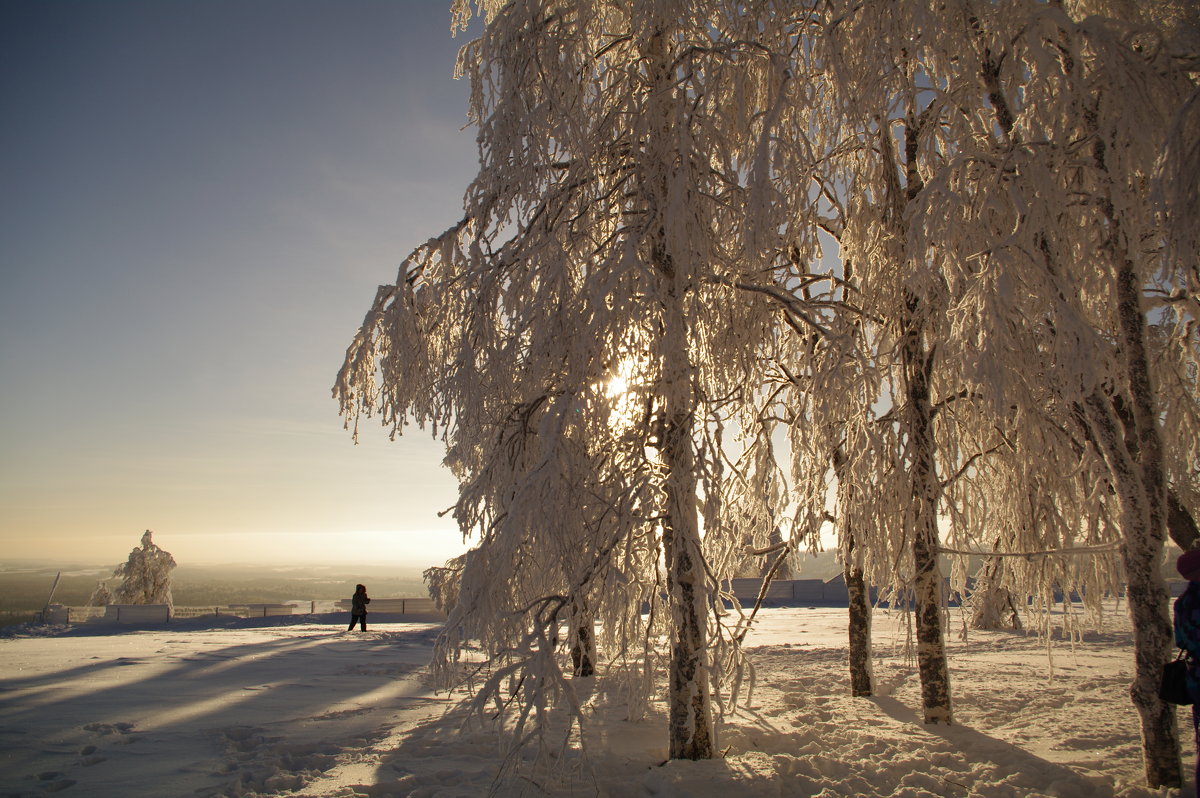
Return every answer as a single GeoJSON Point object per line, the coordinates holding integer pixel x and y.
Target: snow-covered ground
{"type": "Point", "coordinates": [284, 706]}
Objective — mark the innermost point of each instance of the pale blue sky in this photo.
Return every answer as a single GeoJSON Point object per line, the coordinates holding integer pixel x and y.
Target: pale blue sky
{"type": "Point", "coordinates": [197, 200]}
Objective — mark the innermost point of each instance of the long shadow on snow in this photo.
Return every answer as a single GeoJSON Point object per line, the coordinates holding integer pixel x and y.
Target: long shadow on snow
{"type": "Point", "coordinates": [205, 676]}
{"type": "Point", "coordinates": [968, 739]}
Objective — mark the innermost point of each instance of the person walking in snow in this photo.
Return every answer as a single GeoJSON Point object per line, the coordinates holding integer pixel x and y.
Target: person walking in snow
{"type": "Point", "coordinates": [358, 608]}
{"type": "Point", "coordinates": [1187, 635]}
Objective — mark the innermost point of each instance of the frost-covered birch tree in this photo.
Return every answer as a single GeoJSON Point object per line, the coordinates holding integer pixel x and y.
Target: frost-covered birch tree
{"type": "Point", "coordinates": [978, 421]}
{"type": "Point", "coordinates": [998, 199]}
{"type": "Point", "coordinates": [622, 226]}
{"type": "Point", "coordinates": [891, 473]}
{"type": "Point", "coordinates": [1004, 362]}
{"type": "Point", "coordinates": [1037, 225]}
{"type": "Point", "coordinates": [1073, 103]}
{"type": "Point", "coordinates": [101, 596]}
{"type": "Point", "coordinates": [146, 575]}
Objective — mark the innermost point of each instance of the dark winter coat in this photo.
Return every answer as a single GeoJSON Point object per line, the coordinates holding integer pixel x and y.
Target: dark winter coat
{"type": "Point", "coordinates": [1187, 634]}
{"type": "Point", "coordinates": [358, 604]}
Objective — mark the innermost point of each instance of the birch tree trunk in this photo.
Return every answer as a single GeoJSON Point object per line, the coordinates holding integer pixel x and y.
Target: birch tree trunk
{"type": "Point", "coordinates": [688, 695]}
{"type": "Point", "coordinates": [993, 603]}
{"type": "Point", "coordinates": [931, 645]}
{"type": "Point", "coordinates": [1148, 601]}
{"type": "Point", "coordinates": [861, 683]}
{"type": "Point", "coordinates": [583, 654]}
{"type": "Point", "coordinates": [1137, 471]}
{"type": "Point", "coordinates": [1142, 493]}
{"type": "Point", "coordinates": [916, 366]}
{"type": "Point", "coordinates": [583, 649]}
{"type": "Point", "coordinates": [1181, 526]}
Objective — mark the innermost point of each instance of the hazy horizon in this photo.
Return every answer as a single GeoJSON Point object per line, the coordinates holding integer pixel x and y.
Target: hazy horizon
{"type": "Point", "coordinates": [282, 550]}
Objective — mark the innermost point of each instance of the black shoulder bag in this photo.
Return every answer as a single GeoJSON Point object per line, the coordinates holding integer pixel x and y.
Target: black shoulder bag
{"type": "Point", "coordinates": [1173, 687]}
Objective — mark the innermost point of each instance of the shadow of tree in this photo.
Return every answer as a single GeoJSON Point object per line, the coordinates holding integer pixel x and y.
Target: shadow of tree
{"type": "Point", "coordinates": [983, 747]}
{"type": "Point", "coordinates": [194, 713]}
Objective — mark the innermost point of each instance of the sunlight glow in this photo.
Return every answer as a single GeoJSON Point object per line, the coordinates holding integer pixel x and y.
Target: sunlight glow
{"type": "Point", "coordinates": [621, 393]}
{"type": "Point", "coordinates": [620, 382]}
{"type": "Point", "coordinates": [617, 386]}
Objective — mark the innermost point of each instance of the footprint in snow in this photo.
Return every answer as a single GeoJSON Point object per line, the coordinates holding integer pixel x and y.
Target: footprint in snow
{"type": "Point", "coordinates": [123, 729]}
{"type": "Point", "coordinates": [89, 757]}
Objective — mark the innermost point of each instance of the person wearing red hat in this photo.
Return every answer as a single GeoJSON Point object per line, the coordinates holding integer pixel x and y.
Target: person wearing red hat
{"type": "Point", "coordinates": [1187, 635]}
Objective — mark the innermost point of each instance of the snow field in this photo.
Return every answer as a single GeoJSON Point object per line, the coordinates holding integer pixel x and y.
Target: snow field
{"type": "Point", "coordinates": [280, 708]}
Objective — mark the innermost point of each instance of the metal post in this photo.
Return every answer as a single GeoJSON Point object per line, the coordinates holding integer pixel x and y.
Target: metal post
{"type": "Point", "coordinates": [53, 587]}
